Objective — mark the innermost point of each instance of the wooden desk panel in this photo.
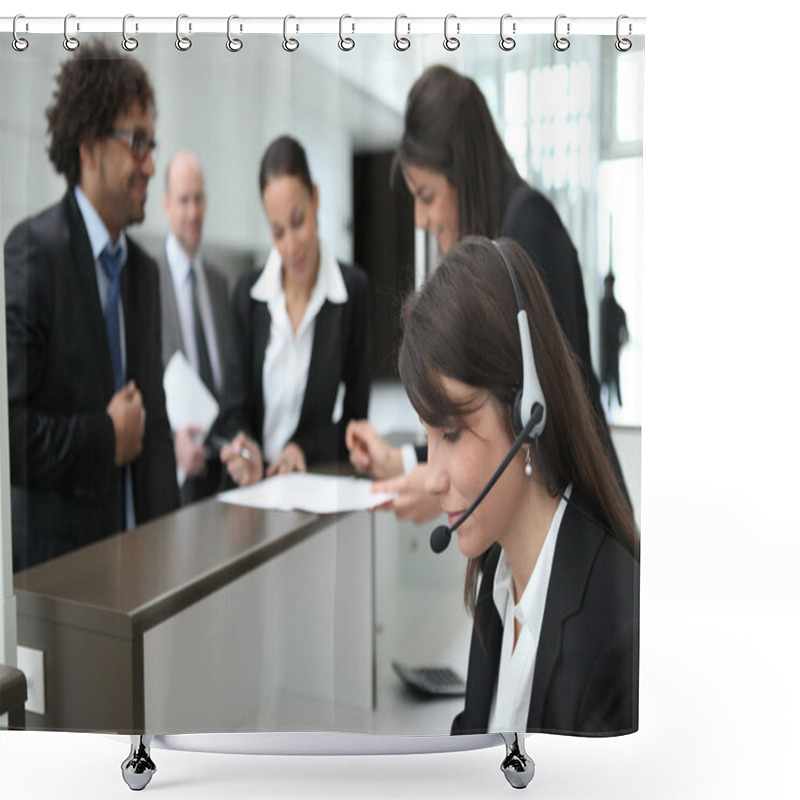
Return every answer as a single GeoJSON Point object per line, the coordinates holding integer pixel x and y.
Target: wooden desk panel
{"type": "Point", "coordinates": [88, 610]}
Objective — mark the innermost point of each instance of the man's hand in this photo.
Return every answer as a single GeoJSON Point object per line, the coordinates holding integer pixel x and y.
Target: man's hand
{"type": "Point", "coordinates": [127, 415]}
{"type": "Point", "coordinates": [189, 454]}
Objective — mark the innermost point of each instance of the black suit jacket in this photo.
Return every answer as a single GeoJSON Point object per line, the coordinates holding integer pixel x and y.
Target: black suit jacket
{"type": "Point", "coordinates": [66, 490]}
{"type": "Point", "coordinates": [341, 352]}
{"type": "Point", "coordinates": [210, 480]}
{"type": "Point", "coordinates": [587, 664]}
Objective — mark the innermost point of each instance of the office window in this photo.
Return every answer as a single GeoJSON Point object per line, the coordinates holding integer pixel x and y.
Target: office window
{"type": "Point", "coordinates": [586, 156]}
{"type": "Point", "coordinates": [619, 226]}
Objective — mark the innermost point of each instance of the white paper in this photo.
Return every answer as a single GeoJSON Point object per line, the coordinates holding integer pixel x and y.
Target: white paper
{"type": "Point", "coordinates": [319, 494]}
{"type": "Point", "coordinates": [188, 400]}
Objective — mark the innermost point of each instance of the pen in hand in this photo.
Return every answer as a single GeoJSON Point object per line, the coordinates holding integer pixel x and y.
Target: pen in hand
{"type": "Point", "coordinates": [219, 442]}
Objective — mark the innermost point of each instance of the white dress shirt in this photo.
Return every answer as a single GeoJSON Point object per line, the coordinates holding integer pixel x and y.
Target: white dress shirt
{"type": "Point", "coordinates": [288, 355]}
{"type": "Point", "coordinates": [512, 696]}
{"type": "Point", "coordinates": [99, 237]}
{"type": "Point", "coordinates": [180, 266]}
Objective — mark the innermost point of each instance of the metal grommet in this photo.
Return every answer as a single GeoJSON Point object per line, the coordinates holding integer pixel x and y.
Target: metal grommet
{"type": "Point", "coordinates": [233, 44]}
{"type": "Point", "coordinates": [70, 42]}
{"type": "Point", "coordinates": [128, 42]}
{"type": "Point", "coordinates": [18, 43]}
{"type": "Point", "coordinates": [623, 45]}
{"type": "Point", "coordinates": [561, 43]}
{"type": "Point", "coordinates": [345, 42]}
{"type": "Point", "coordinates": [183, 43]}
{"type": "Point", "coordinates": [451, 42]}
{"type": "Point", "coordinates": [289, 45]}
{"type": "Point", "coordinates": [506, 42]}
{"type": "Point", "coordinates": [401, 43]}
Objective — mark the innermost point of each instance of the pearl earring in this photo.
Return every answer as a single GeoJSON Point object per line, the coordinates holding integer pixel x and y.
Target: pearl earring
{"type": "Point", "coordinates": [528, 467]}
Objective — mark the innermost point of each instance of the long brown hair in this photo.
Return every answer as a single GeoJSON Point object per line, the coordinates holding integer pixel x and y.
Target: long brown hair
{"type": "Point", "coordinates": [449, 129]}
{"type": "Point", "coordinates": [463, 325]}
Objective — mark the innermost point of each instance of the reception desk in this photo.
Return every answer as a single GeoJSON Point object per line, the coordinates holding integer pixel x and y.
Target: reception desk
{"type": "Point", "coordinates": [227, 618]}
{"type": "Point", "coordinates": [196, 620]}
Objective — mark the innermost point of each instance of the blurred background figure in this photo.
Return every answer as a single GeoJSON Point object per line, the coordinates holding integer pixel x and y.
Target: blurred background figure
{"type": "Point", "coordinates": [613, 335]}
{"type": "Point", "coordinates": [195, 316]}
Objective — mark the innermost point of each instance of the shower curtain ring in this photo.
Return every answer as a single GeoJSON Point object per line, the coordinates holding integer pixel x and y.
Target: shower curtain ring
{"type": "Point", "coordinates": [451, 43]}
{"type": "Point", "coordinates": [345, 42]}
{"type": "Point", "coordinates": [233, 44]}
{"type": "Point", "coordinates": [401, 43]}
{"type": "Point", "coordinates": [561, 43]}
{"type": "Point", "coordinates": [289, 45]}
{"type": "Point", "coordinates": [129, 43]}
{"type": "Point", "coordinates": [70, 42]}
{"type": "Point", "coordinates": [507, 43]}
{"type": "Point", "coordinates": [18, 43]}
{"type": "Point", "coordinates": [183, 43]}
{"type": "Point", "coordinates": [623, 45]}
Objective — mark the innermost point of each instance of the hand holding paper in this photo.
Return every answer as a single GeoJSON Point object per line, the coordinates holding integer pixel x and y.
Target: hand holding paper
{"type": "Point", "coordinates": [188, 400]}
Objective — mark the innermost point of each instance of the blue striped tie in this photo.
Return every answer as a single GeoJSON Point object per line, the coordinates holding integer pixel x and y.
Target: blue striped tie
{"type": "Point", "coordinates": [111, 261]}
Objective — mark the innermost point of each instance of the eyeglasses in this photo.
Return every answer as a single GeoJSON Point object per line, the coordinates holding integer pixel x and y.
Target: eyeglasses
{"type": "Point", "coordinates": [139, 143]}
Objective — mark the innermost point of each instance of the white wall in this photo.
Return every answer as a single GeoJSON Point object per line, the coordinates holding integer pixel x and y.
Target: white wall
{"type": "Point", "coordinates": [226, 108]}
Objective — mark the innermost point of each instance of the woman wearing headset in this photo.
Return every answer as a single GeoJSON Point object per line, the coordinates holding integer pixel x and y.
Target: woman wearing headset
{"type": "Point", "coordinates": [464, 182]}
{"type": "Point", "coordinates": [555, 642]}
{"type": "Point", "coordinates": [300, 328]}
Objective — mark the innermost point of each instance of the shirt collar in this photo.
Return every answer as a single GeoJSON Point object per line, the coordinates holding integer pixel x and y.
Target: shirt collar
{"type": "Point", "coordinates": [95, 227]}
{"type": "Point", "coordinates": [179, 262]}
{"type": "Point", "coordinates": [329, 286]}
{"type": "Point", "coordinates": [535, 592]}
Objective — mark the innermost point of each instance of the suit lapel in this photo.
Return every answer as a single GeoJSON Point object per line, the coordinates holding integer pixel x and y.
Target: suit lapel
{"type": "Point", "coordinates": [87, 278]}
{"type": "Point", "coordinates": [323, 354]}
{"type": "Point", "coordinates": [261, 322]}
{"type": "Point", "coordinates": [484, 662]}
{"type": "Point", "coordinates": [219, 308]}
{"type": "Point", "coordinates": [576, 550]}
{"type": "Point", "coordinates": [172, 335]}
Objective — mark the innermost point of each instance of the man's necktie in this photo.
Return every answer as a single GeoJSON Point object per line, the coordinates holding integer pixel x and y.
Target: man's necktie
{"type": "Point", "coordinates": [203, 358]}
{"type": "Point", "coordinates": [111, 261]}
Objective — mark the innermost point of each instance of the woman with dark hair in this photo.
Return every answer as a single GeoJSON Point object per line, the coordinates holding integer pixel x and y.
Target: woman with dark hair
{"type": "Point", "coordinates": [464, 182]}
{"type": "Point", "coordinates": [555, 642]}
{"type": "Point", "coordinates": [300, 328]}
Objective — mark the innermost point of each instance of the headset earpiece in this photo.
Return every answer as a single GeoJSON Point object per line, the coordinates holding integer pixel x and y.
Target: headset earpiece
{"type": "Point", "coordinates": [529, 401]}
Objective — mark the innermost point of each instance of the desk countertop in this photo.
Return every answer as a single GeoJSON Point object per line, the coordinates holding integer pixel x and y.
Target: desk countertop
{"type": "Point", "coordinates": [129, 582]}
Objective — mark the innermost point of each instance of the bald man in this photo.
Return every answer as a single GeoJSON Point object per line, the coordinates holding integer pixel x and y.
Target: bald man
{"type": "Point", "coordinates": [195, 316]}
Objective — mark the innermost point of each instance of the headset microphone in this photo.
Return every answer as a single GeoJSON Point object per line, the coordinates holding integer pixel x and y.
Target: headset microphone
{"type": "Point", "coordinates": [529, 412]}
{"type": "Point", "coordinates": [440, 537]}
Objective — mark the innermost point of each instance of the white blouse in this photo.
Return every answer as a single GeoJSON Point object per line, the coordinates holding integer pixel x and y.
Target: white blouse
{"type": "Point", "coordinates": [288, 355]}
{"type": "Point", "coordinates": [512, 696]}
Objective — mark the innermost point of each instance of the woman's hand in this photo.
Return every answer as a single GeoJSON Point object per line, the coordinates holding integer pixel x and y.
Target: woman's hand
{"type": "Point", "coordinates": [291, 459]}
{"type": "Point", "coordinates": [370, 453]}
{"type": "Point", "coordinates": [412, 501]}
{"type": "Point", "coordinates": [243, 459]}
